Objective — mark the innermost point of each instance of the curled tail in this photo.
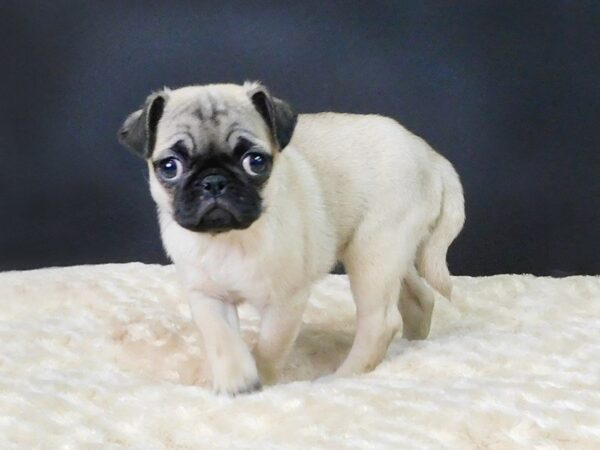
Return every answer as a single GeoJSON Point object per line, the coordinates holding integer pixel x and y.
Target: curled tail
{"type": "Point", "coordinates": [431, 257]}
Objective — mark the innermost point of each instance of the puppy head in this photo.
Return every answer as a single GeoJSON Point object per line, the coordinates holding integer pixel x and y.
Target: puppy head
{"type": "Point", "coordinates": [210, 151]}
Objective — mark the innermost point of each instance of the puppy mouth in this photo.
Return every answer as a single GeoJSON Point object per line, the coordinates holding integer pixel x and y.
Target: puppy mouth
{"type": "Point", "coordinates": [215, 216]}
{"type": "Point", "coordinates": [218, 218]}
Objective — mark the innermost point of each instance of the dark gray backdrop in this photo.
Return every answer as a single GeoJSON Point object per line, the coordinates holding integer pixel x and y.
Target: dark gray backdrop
{"type": "Point", "coordinates": [507, 90]}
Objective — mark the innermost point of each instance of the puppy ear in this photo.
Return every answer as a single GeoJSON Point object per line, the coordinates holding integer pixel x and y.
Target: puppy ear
{"type": "Point", "coordinates": [138, 132]}
{"type": "Point", "coordinates": [278, 115]}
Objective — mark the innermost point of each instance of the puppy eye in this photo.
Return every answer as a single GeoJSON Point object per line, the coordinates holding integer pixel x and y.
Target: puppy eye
{"type": "Point", "coordinates": [254, 164]}
{"type": "Point", "coordinates": [169, 169]}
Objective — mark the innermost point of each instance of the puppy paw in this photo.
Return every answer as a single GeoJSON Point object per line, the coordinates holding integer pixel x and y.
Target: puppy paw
{"type": "Point", "coordinates": [233, 387]}
{"type": "Point", "coordinates": [236, 376]}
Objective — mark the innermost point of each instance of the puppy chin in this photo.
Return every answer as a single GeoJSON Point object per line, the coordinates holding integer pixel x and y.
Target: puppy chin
{"type": "Point", "coordinates": [217, 217]}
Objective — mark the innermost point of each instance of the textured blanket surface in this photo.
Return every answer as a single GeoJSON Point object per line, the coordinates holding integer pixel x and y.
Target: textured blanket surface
{"type": "Point", "coordinates": [106, 357]}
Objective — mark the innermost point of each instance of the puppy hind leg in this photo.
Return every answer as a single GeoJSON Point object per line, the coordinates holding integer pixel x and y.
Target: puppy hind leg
{"type": "Point", "coordinates": [376, 325]}
{"type": "Point", "coordinates": [416, 306]}
{"type": "Point", "coordinates": [431, 258]}
{"type": "Point", "coordinates": [372, 266]}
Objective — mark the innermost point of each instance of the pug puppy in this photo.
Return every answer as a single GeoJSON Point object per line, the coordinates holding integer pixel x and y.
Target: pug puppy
{"type": "Point", "coordinates": [255, 204]}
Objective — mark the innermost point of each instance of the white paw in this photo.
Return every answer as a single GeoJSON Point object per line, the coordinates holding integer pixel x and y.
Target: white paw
{"type": "Point", "coordinates": [233, 376]}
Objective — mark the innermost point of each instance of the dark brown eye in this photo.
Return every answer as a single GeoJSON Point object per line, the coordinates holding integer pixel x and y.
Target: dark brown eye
{"type": "Point", "coordinates": [169, 169]}
{"type": "Point", "coordinates": [254, 164]}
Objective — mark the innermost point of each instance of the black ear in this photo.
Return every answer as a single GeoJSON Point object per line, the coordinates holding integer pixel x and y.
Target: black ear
{"type": "Point", "coordinates": [138, 132]}
{"type": "Point", "coordinates": [279, 116]}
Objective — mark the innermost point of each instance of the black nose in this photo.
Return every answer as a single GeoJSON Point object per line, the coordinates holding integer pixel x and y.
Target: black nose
{"type": "Point", "coordinates": [215, 184]}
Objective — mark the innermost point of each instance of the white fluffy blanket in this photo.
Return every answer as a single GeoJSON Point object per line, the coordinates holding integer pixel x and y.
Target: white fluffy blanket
{"type": "Point", "coordinates": [106, 357]}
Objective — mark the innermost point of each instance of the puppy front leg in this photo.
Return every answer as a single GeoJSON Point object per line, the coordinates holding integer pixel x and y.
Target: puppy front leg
{"type": "Point", "coordinates": [231, 364]}
{"type": "Point", "coordinates": [279, 327]}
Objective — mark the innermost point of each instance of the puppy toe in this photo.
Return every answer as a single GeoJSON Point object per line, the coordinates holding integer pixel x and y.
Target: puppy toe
{"type": "Point", "coordinates": [237, 377]}
{"type": "Point", "coordinates": [235, 389]}
{"type": "Point", "coordinates": [254, 387]}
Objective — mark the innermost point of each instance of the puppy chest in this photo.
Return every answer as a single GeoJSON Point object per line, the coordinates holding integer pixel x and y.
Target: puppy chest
{"type": "Point", "coordinates": [234, 280]}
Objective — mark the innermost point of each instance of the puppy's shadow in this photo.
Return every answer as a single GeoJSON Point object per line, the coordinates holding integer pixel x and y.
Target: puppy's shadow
{"type": "Point", "coordinates": [173, 352]}
{"type": "Point", "coordinates": [318, 351]}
